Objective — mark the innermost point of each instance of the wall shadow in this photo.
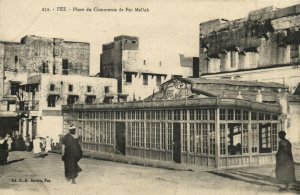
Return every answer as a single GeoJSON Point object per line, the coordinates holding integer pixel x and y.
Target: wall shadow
{"type": "Point", "coordinates": [14, 161]}
{"type": "Point", "coordinates": [256, 179]}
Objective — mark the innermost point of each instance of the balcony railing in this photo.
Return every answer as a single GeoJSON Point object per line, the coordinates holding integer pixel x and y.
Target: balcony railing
{"type": "Point", "coordinates": [29, 105]}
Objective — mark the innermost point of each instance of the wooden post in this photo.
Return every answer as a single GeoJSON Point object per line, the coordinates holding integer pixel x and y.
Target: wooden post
{"type": "Point", "coordinates": [250, 136]}
{"type": "Point", "coordinates": [187, 135]}
{"type": "Point", "coordinates": [217, 138]}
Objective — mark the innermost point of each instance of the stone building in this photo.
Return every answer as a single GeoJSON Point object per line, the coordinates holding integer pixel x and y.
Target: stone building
{"type": "Point", "coordinates": [41, 97]}
{"type": "Point", "coordinates": [263, 46]}
{"type": "Point", "coordinates": [34, 76]}
{"type": "Point", "coordinates": [45, 55]}
{"type": "Point", "coordinates": [139, 73]}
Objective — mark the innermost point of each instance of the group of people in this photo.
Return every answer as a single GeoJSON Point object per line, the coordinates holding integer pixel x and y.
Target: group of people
{"type": "Point", "coordinates": [41, 146]}
{"type": "Point", "coordinates": [5, 147]}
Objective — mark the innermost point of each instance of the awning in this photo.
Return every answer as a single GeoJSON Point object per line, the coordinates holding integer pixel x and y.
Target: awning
{"type": "Point", "coordinates": [73, 97]}
{"type": "Point", "coordinates": [90, 95]}
{"type": "Point", "coordinates": [15, 81]}
{"type": "Point", "coordinates": [122, 95]}
{"type": "Point", "coordinates": [53, 95]}
{"type": "Point", "coordinates": [8, 114]}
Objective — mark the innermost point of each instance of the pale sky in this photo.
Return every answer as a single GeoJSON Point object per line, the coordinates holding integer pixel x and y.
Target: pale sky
{"type": "Point", "coordinates": [171, 27]}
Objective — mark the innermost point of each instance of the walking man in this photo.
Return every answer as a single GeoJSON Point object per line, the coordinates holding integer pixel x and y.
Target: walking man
{"type": "Point", "coordinates": [71, 154]}
{"type": "Point", "coordinates": [3, 150]}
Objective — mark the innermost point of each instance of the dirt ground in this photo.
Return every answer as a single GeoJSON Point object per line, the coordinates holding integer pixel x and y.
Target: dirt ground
{"type": "Point", "coordinates": [46, 176]}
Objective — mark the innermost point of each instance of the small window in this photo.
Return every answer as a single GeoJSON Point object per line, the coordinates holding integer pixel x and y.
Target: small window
{"type": "Point", "coordinates": [54, 69]}
{"type": "Point", "coordinates": [158, 80]}
{"type": "Point", "coordinates": [106, 89]}
{"type": "Point", "coordinates": [128, 78]}
{"type": "Point", "coordinates": [144, 62]}
{"type": "Point", "coordinates": [70, 88]}
{"type": "Point", "coordinates": [89, 88]}
{"type": "Point", "coordinates": [145, 79]}
{"type": "Point", "coordinates": [51, 101]}
{"type": "Point", "coordinates": [52, 87]}
{"type": "Point", "coordinates": [45, 68]}
{"type": "Point", "coordinates": [16, 59]}
{"type": "Point", "coordinates": [14, 88]}
{"type": "Point", "coordinates": [65, 64]}
{"type": "Point", "coordinates": [65, 67]}
{"type": "Point", "coordinates": [133, 41]}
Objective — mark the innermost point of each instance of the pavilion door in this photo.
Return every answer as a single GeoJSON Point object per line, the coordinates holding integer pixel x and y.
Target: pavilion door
{"type": "Point", "coordinates": [235, 139]}
{"type": "Point", "coordinates": [176, 143]}
{"type": "Point", "coordinates": [121, 138]}
{"type": "Point", "coordinates": [265, 138]}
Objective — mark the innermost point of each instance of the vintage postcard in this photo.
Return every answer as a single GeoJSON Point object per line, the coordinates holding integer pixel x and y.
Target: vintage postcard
{"type": "Point", "coordinates": [149, 97]}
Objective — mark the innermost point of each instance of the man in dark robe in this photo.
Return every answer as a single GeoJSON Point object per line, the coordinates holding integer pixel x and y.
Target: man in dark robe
{"type": "Point", "coordinates": [71, 154]}
{"type": "Point", "coordinates": [3, 150]}
{"type": "Point", "coordinates": [285, 169]}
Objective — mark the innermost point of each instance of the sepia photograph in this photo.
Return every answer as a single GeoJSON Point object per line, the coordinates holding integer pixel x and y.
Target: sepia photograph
{"type": "Point", "coordinates": [130, 97]}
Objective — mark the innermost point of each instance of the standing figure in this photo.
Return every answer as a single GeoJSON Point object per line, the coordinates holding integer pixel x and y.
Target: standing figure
{"type": "Point", "coordinates": [37, 146]}
{"type": "Point", "coordinates": [27, 143]}
{"type": "Point", "coordinates": [3, 150]}
{"type": "Point", "coordinates": [285, 170]}
{"type": "Point", "coordinates": [43, 147]}
{"type": "Point", "coordinates": [9, 141]}
{"type": "Point", "coordinates": [71, 154]}
{"type": "Point", "coordinates": [48, 144]}
{"type": "Point", "coordinates": [9, 144]}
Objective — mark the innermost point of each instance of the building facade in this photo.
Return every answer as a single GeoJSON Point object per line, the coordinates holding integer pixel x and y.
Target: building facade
{"type": "Point", "coordinates": [138, 73]}
{"type": "Point", "coordinates": [42, 96]}
{"type": "Point", "coordinates": [40, 74]}
{"type": "Point", "coordinates": [263, 46]}
{"type": "Point", "coordinates": [183, 123]}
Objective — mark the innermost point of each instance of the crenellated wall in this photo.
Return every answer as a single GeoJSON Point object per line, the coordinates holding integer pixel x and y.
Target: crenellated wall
{"type": "Point", "coordinates": [45, 55]}
{"type": "Point", "coordinates": [266, 37]}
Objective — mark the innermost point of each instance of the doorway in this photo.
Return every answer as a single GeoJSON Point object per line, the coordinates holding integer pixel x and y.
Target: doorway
{"type": "Point", "coordinates": [265, 138]}
{"type": "Point", "coordinates": [176, 143]}
{"type": "Point", "coordinates": [120, 138]}
{"type": "Point", "coordinates": [235, 139]}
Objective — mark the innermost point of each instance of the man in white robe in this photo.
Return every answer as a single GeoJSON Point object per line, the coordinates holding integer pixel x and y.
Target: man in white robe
{"type": "Point", "coordinates": [37, 147]}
